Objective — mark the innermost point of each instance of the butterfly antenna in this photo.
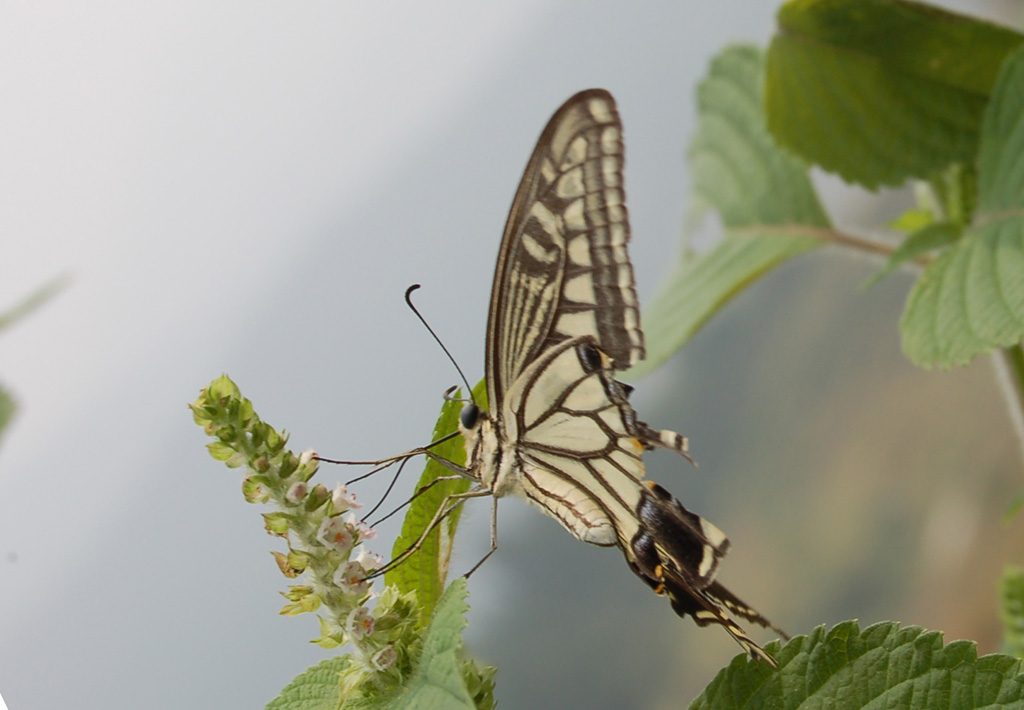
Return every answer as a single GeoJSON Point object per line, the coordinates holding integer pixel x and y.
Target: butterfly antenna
{"type": "Point", "coordinates": [408, 301]}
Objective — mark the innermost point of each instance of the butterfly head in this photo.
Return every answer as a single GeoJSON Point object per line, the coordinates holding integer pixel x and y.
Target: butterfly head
{"type": "Point", "coordinates": [484, 456]}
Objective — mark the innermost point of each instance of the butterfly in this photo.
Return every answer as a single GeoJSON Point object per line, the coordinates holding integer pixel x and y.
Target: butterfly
{"type": "Point", "coordinates": [559, 430]}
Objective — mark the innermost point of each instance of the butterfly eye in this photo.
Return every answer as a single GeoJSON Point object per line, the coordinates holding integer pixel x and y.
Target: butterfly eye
{"type": "Point", "coordinates": [470, 413]}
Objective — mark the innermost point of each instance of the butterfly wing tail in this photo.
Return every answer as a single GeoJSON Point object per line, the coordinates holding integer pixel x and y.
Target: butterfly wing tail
{"type": "Point", "coordinates": [740, 608]}
{"type": "Point", "coordinates": [663, 439]}
{"type": "Point", "coordinates": [705, 606]}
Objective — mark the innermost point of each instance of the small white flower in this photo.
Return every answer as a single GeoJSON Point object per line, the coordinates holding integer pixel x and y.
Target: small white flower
{"type": "Point", "coordinates": [297, 492]}
{"type": "Point", "coordinates": [384, 658]}
{"type": "Point", "coordinates": [359, 623]}
{"type": "Point", "coordinates": [343, 500]}
{"type": "Point", "coordinates": [359, 528]}
{"type": "Point", "coordinates": [309, 464]}
{"type": "Point", "coordinates": [369, 561]}
{"type": "Point", "coordinates": [351, 578]}
{"type": "Point", "coordinates": [336, 534]}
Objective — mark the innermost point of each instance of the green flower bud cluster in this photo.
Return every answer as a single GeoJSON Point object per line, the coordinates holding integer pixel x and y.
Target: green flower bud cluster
{"type": "Point", "coordinates": [324, 542]}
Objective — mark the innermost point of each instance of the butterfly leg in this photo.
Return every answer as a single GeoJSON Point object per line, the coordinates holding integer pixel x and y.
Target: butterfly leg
{"type": "Point", "coordinates": [494, 538]}
{"type": "Point", "coordinates": [420, 491]}
{"type": "Point", "coordinates": [449, 504]}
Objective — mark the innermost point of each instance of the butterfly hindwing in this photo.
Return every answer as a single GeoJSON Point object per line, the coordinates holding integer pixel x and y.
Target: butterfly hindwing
{"type": "Point", "coordinates": [580, 456]}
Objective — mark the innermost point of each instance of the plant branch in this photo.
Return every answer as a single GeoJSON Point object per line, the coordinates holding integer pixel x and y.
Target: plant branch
{"type": "Point", "coordinates": [829, 236]}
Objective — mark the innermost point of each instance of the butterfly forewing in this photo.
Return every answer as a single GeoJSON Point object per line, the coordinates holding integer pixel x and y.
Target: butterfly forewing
{"type": "Point", "coordinates": [563, 270]}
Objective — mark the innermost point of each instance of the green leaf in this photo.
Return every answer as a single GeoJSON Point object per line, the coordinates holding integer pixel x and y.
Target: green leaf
{"type": "Point", "coordinates": [883, 666]}
{"type": "Point", "coordinates": [1012, 592]}
{"type": "Point", "coordinates": [699, 287]}
{"type": "Point", "coordinates": [437, 682]}
{"type": "Point", "coordinates": [927, 239]}
{"type": "Point", "coordinates": [764, 196]}
{"type": "Point", "coordinates": [316, 689]}
{"type": "Point", "coordinates": [879, 91]}
{"type": "Point", "coordinates": [19, 311]}
{"type": "Point", "coordinates": [7, 407]}
{"type": "Point", "coordinates": [970, 300]}
{"type": "Point", "coordinates": [1000, 164]}
{"type": "Point", "coordinates": [426, 571]}
{"type": "Point", "coordinates": [34, 300]}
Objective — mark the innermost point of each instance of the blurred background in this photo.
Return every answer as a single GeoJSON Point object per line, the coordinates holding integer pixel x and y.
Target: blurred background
{"type": "Point", "coordinates": [250, 187]}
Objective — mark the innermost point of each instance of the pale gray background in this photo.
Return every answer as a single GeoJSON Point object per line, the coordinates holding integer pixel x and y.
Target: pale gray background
{"type": "Point", "coordinates": [249, 187]}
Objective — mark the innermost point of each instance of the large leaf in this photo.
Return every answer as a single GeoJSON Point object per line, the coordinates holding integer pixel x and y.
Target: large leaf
{"type": "Point", "coordinates": [315, 689]}
{"type": "Point", "coordinates": [438, 682]}
{"type": "Point", "coordinates": [883, 666]}
{"type": "Point", "coordinates": [426, 571]}
{"type": "Point", "coordinates": [1012, 592]}
{"type": "Point", "coordinates": [970, 300]}
{"type": "Point", "coordinates": [880, 91]}
{"type": "Point", "coordinates": [764, 196]}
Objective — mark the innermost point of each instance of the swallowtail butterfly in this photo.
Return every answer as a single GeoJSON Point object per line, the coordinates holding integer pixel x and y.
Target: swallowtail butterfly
{"type": "Point", "coordinates": [560, 431]}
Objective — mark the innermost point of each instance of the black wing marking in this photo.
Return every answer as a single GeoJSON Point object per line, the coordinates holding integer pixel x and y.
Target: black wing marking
{"type": "Point", "coordinates": [666, 555]}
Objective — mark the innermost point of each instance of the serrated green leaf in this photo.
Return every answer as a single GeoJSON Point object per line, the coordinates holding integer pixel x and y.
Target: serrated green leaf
{"type": "Point", "coordinates": [879, 91]}
{"type": "Point", "coordinates": [880, 667]}
{"type": "Point", "coordinates": [737, 166]}
{"type": "Point", "coordinates": [970, 300]}
{"type": "Point", "coordinates": [1012, 592]}
{"type": "Point", "coordinates": [763, 194]}
{"type": "Point", "coordinates": [426, 571]}
{"type": "Point", "coordinates": [927, 239]}
{"type": "Point", "coordinates": [437, 682]}
{"type": "Point", "coordinates": [699, 287]}
{"type": "Point", "coordinates": [316, 689]}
